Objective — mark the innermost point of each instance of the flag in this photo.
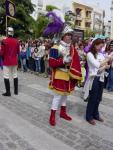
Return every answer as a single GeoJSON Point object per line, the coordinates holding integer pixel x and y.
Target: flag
{"type": "Point", "coordinates": [10, 9]}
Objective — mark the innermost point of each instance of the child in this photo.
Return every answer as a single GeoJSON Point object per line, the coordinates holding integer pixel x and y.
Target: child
{"type": "Point", "coordinates": [37, 60]}
{"type": "Point", "coordinates": [82, 56]}
{"type": "Point", "coordinates": [23, 58]}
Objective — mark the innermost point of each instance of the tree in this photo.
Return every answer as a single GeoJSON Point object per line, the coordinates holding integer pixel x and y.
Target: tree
{"type": "Point", "coordinates": [70, 18]}
{"type": "Point", "coordinates": [89, 33]}
{"type": "Point", "coordinates": [24, 22]}
{"type": "Point", "coordinates": [42, 22]}
{"type": "Point", "coordinates": [2, 17]}
{"type": "Point", "coordinates": [51, 8]}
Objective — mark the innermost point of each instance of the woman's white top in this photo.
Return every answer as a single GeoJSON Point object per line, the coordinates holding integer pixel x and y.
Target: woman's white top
{"type": "Point", "coordinates": [93, 65]}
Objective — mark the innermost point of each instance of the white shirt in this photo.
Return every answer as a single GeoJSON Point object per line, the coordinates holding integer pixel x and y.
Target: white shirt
{"type": "Point", "coordinates": [93, 64]}
{"type": "Point", "coordinates": [36, 56]}
{"type": "Point", "coordinates": [41, 51]}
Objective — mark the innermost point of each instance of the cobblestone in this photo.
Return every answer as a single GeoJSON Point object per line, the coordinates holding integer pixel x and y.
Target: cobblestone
{"type": "Point", "coordinates": [11, 141]}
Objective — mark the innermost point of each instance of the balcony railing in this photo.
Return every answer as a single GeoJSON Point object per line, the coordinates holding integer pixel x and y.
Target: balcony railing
{"type": "Point", "coordinates": [89, 20]}
{"type": "Point", "coordinates": [88, 17]}
{"type": "Point", "coordinates": [79, 17]}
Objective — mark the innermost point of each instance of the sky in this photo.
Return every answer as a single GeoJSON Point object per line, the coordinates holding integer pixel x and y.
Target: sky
{"type": "Point", "coordinates": [99, 4]}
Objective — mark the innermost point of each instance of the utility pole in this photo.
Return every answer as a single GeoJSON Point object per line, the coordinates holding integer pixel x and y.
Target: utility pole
{"type": "Point", "coordinates": [112, 20]}
{"type": "Point", "coordinates": [103, 25]}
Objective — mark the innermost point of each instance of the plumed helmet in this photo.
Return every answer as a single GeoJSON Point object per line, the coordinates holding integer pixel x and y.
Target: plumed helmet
{"type": "Point", "coordinates": [56, 23]}
{"type": "Point", "coordinates": [10, 31]}
{"type": "Point", "coordinates": [67, 30]}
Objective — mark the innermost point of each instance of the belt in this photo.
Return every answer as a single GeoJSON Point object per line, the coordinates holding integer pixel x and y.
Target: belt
{"type": "Point", "coordinates": [65, 67]}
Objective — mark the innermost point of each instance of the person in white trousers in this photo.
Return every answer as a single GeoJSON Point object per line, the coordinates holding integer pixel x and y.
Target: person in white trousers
{"type": "Point", "coordinates": [9, 52]}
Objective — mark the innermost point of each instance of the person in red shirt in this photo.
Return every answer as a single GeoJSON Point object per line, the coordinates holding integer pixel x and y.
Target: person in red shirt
{"type": "Point", "coordinates": [9, 52]}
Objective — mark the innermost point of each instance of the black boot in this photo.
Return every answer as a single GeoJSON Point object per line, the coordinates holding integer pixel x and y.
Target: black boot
{"type": "Point", "coordinates": [16, 86]}
{"type": "Point", "coordinates": [7, 87]}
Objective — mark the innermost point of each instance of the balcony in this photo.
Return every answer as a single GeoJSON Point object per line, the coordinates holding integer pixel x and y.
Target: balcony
{"type": "Point", "coordinates": [78, 13]}
{"type": "Point", "coordinates": [88, 15]}
{"type": "Point", "coordinates": [78, 23]}
{"type": "Point", "coordinates": [89, 20]}
{"type": "Point", "coordinates": [79, 17]}
{"type": "Point", "coordinates": [88, 25]}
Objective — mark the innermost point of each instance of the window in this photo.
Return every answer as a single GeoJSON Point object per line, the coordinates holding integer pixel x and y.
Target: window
{"type": "Point", "coordinates": [88, 24]}
{"type": "Point", "coordinates": [78, 11]}
{"type": "Point", "coordinates": [78, 23]}
{"type": "Point", "coordinates": [88, 14]}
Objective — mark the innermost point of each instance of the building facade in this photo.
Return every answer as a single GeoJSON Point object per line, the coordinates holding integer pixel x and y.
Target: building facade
{"type": "Point", "coordinates": [98, 19]}
{"type": "Point", "coordinates": [112, 20]}
{"type": "Point", "coordinates": [107, 28]}
{"type": "Point", "coordinates": [39, 8]}
{"type": "Point", "coordinates": [83, 16]}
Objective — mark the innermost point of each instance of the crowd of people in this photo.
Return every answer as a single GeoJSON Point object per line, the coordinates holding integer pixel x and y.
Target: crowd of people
{"type": "Point", "coordinates": [96, 61]}
{"type": "Point", "coordinates": [34, 56]}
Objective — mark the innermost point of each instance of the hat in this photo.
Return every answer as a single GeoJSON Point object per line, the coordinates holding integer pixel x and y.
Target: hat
{"type": "Point", "coordinates": [67, 30]}
{"type": "Point", "coordinates": [10, 31]}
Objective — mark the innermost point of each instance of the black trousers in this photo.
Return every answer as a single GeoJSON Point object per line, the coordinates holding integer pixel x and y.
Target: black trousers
{"type": "Point", "coordinates": [31, 64]}
{"type": "Point", "coordinates": [95, 97]}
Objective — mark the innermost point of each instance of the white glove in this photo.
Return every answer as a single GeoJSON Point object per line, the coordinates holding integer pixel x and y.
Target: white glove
{"type": "Point", "coordinates": [67, 59]}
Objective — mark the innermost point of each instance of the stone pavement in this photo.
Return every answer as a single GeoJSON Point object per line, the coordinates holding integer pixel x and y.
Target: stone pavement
{"type": "Point", "coordinates": [24, 120]}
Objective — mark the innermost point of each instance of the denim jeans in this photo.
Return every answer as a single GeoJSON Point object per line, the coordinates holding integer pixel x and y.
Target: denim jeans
{"type": "Point", "coordinates": [110, 80]}
{"type": "Point", "coordinates": [23, 64]}
{"type": "Point", "coordinates": [95, 97]}
{"type": "Point", "coordinates": [38, 65]}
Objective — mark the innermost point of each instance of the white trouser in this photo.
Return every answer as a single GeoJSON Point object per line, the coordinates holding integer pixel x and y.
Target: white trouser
{"type": "Point", "coordinates": [58, 99]}
{"type": "Point", "coordinates": [7, 70]}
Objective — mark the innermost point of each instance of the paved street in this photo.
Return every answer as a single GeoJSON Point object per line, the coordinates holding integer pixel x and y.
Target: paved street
{"type": "Point", "coordinates": [24, 120]}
